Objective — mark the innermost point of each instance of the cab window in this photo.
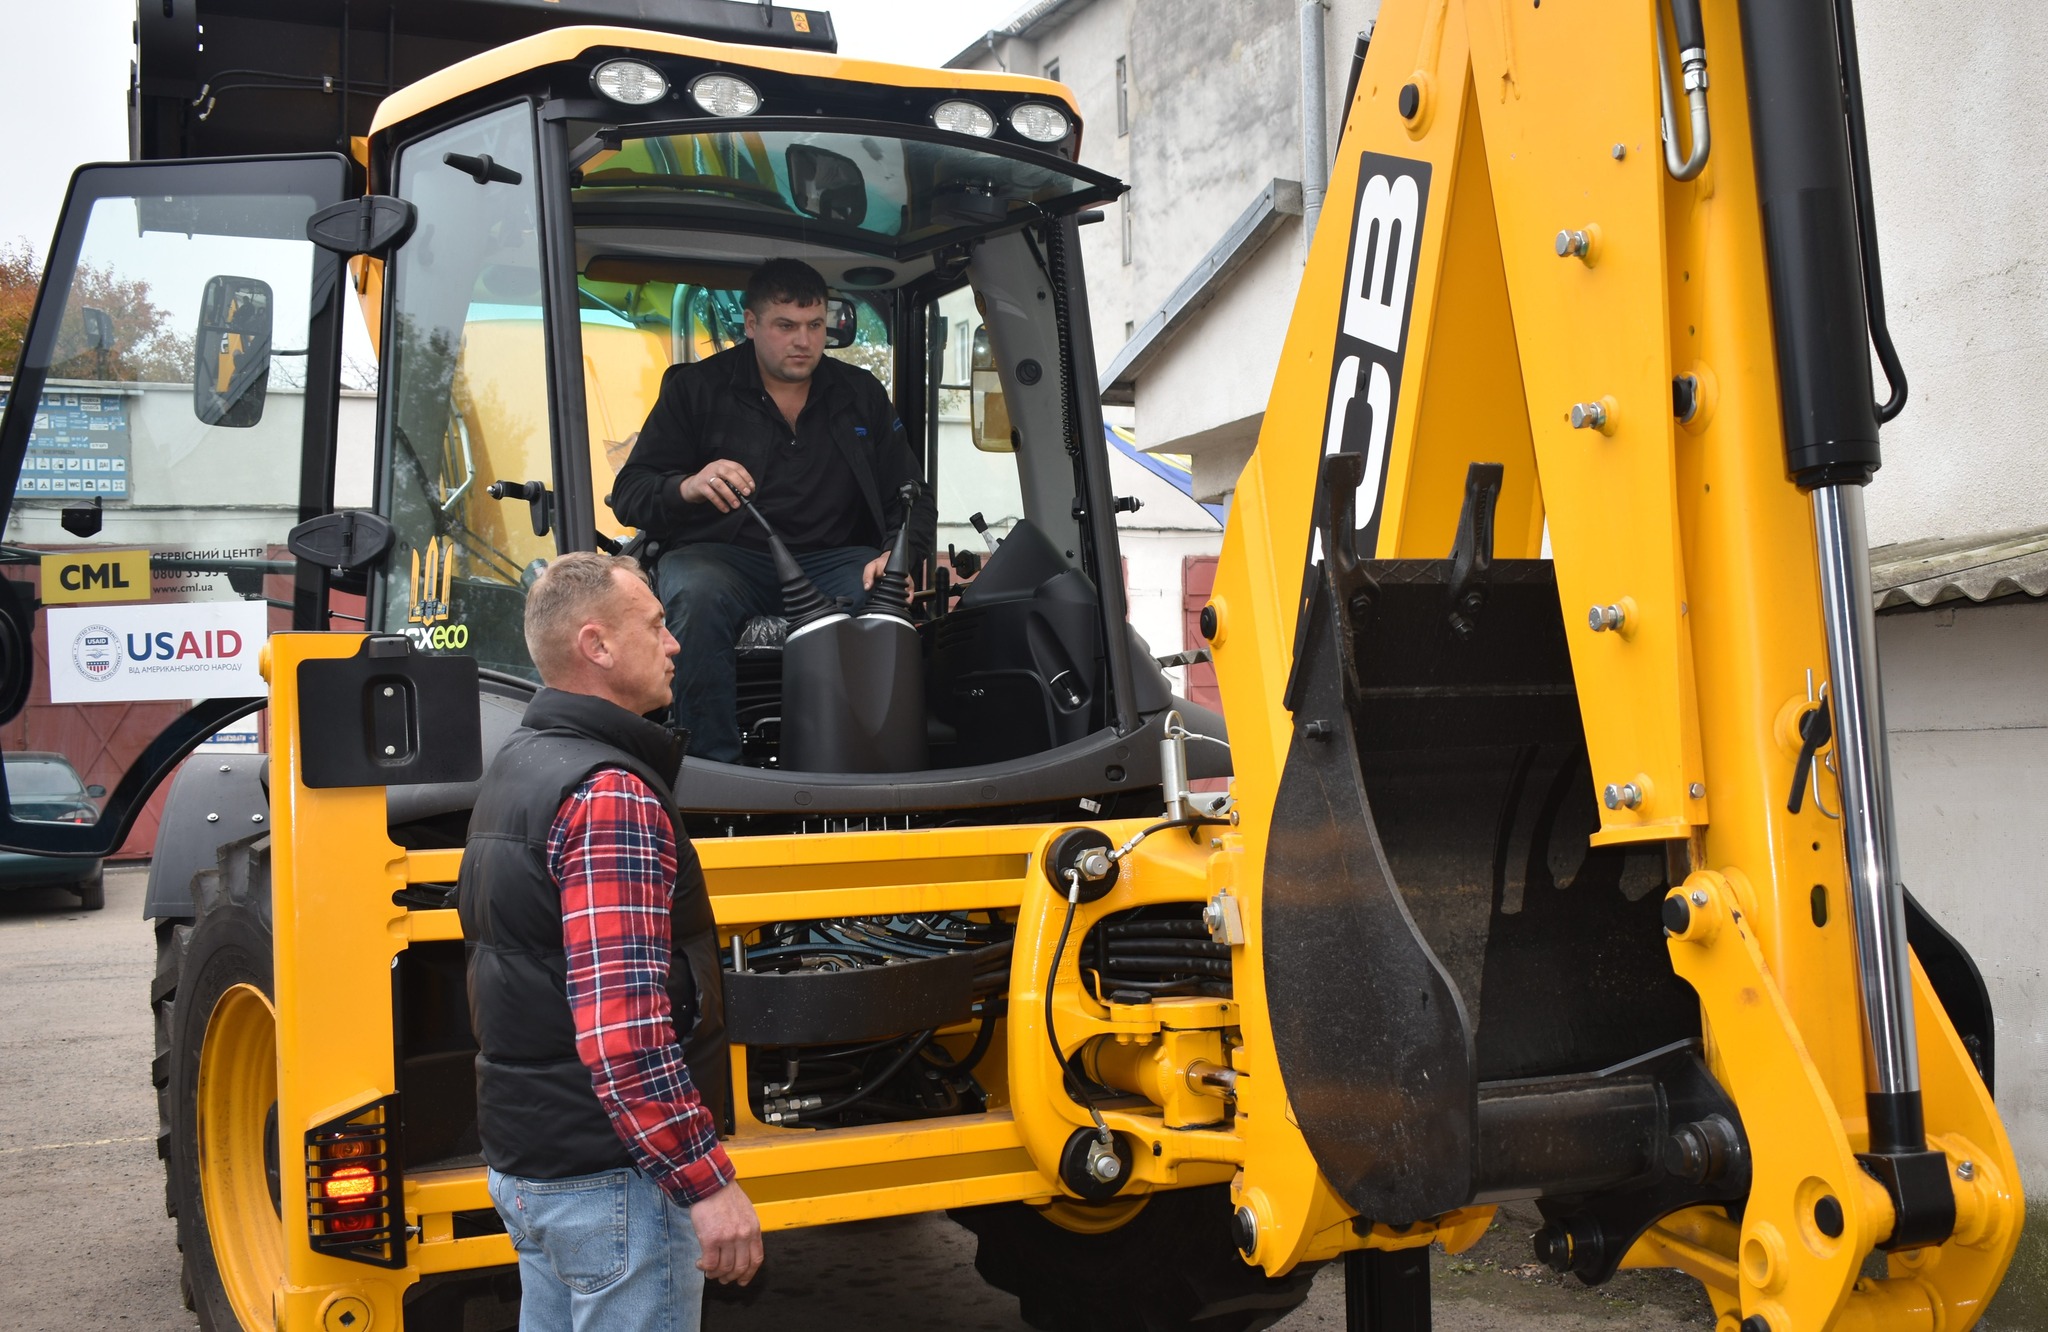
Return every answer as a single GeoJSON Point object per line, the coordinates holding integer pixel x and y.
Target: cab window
{"type": "Point", "coordinates": [467, 401]}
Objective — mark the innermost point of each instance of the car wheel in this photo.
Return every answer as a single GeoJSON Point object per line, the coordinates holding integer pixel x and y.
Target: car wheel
{"type": "Point", "coordinates": [220, 1079]}
{"type": "Point", "coordinates": [1168, 1266]}
{"type": "Point", "coordinates": [92, 894]}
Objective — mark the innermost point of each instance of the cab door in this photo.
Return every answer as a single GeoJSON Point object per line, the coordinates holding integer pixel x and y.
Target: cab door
{"type": "Point", "coordinates": [170, 421]}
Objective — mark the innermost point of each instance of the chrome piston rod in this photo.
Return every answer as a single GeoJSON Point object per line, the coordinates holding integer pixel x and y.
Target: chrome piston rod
{"type": "Point", "coordinates": [1877, 899]}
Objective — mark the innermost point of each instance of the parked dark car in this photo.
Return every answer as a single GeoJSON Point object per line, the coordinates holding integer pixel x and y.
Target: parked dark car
{"type": "Point", "coordinates": [46, 787]}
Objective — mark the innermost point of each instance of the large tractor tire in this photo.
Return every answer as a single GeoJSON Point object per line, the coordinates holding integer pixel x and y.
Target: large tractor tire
{"type": "Point", "coordinates": [216, 1079]}
{"type": "Point", "coordinates": [1166, 1263]}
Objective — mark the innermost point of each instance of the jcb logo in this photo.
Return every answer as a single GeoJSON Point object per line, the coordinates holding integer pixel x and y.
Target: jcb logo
{"type": "Point", "coordinates": [1372, 332]}
{"type": "Point", "coordinates": [76, 577]}
{"type": "Point", "coordinates": [432, 579]}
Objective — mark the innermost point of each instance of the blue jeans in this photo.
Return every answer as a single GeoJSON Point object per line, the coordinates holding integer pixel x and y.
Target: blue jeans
{"type": "Point", "coordinates": [710, 591]}
{"type": "Point", "coordinates": [601, 1253]}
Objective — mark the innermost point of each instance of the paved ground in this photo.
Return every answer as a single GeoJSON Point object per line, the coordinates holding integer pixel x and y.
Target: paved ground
{"type": "Point", "coordinates": [84, 1242]}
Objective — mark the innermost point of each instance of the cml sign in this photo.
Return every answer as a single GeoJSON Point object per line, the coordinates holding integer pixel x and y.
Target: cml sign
{"type": "Point", "coordinates": [80, 576]}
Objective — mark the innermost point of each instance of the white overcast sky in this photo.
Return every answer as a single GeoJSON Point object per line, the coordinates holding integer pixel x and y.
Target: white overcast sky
{"type": "Point", "coordinates": [65, 68]}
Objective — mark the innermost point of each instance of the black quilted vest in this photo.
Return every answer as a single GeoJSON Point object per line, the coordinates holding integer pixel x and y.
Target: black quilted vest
{"type": "Point", "coordinates": [536, 1113]}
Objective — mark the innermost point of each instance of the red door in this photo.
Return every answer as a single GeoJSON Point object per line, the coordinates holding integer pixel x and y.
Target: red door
{"type": "Point", "coordinates": [1197, 581]}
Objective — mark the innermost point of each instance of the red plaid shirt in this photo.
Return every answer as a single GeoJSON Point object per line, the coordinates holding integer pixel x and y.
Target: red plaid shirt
{"type": "Point", "coordinates": [613, 852]}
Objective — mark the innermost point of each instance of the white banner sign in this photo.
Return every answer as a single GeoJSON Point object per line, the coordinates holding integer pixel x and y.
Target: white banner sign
{"type": "Point", "coordinates": [128, 654]}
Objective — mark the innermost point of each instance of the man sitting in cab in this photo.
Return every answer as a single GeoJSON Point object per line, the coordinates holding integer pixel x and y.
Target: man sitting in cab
{"type": "Point", "coordinates": [817, 447]}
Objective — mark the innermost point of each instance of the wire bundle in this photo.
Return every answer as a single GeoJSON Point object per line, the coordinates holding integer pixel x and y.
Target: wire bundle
{"type": "Point", "coordinates": [909, 1076]}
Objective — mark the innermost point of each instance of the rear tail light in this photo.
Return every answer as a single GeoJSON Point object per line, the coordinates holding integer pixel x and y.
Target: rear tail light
{"type": "Point", "coordinates": [355, 1198]}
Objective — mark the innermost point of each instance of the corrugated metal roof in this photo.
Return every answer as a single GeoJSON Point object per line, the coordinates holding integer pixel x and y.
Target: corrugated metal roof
{"type": "Point", "coordinates": [1979, 568]}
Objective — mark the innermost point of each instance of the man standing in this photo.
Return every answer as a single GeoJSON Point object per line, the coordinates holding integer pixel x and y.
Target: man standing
{"type": "Point", "coordinates": [594, 981]}
{"type": "Point", "coordinates": [814, 443]}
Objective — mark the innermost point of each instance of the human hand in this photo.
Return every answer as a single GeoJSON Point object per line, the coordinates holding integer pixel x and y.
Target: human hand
{"type": "Point", "coordinates": [729, 1233]}
{"type": "Point", "coordinates": [876, 567]}
{"type": "Point", "coordinates": [722, 482]}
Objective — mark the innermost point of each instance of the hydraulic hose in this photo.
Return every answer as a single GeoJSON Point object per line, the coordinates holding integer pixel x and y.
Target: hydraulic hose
{"type": "Point", "coordinates": [876, 1083]}
{"type": "Point", "coordinates": [1692, 60]}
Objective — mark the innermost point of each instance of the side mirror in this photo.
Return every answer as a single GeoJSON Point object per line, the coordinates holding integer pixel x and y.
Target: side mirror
{"type": "Point", "coordinates": [231, 352]}
{"type": "Point", "coordinates": [826, 185]}
{"type": "Point", "coordinates": [992, 433]}
{"type": "Point", "coordinates": [842, 322]}
{"type": "Point", "coordinates": [95, 790]}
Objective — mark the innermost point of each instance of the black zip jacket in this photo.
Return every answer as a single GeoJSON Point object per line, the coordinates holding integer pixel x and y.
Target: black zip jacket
{"type": "Point", "coordinates": [718, 408]}
{"type": "Point", "coordinates": [536, 1112]}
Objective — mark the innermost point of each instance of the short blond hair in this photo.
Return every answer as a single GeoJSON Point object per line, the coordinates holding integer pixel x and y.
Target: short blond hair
{"type": "Point", "coordinates": [572, 590]}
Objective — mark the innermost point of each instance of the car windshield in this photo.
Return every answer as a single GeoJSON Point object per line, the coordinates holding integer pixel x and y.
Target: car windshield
{"type": "Point", "coordinates": [41, 777]}
{"type": "Point", "coordinates": [880, 188]}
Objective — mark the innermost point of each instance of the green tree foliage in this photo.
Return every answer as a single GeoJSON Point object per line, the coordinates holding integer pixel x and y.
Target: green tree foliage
{"type": "Point", "coordinates": [146, 344]}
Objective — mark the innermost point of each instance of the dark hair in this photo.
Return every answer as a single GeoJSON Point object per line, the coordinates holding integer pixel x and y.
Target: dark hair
{"type": "Point", "coordinates": [790, 280]}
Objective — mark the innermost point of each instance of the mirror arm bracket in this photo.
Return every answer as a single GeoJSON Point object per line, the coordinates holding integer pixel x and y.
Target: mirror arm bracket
{"type": "Point", "coordinates": [375, 224]}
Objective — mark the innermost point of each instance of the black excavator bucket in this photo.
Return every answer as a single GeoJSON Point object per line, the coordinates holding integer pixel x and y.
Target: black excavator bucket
{"type": "Point", "coordinates": [1436, 924]}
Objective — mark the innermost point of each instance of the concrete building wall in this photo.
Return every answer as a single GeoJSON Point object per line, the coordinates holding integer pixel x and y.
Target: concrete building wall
{"type": "Point", "coordinates": [1962, 218]}
{"type": "Point", "coordinates": [1213, 112]}
{"type": "Point", "coordinates": [1085, 40]}
{"type": "Point", "coordinates": [1966, 703]}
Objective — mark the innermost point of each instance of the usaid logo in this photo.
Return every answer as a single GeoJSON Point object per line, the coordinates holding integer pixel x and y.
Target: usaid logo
{"type": "Point", "coordinates": [1372, 328]}
{"type": "Point", "coordinates": [96, 652]}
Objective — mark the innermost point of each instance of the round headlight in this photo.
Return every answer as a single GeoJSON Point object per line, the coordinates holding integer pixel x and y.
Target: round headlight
{"type": "Point", "coordinates": [964, 118]}
{"type": "Point", "coordinates": [634, 82]}
{"type": "Point", "coordinates": [1038, 122]}
{"type": "Point", "coordinates": [725, 95]}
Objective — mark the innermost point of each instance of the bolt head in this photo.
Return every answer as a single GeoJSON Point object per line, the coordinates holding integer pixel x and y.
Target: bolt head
{"type": "Point", "coordinates": [1698, 790]}
{"type": "Point", "coordinates": [1588, 416]}
{"type": "Point", "coordinates": [1596, 619]}
{"type": "Point", "coordinates": [1611, 797]}
{"type": "Point", "coordinates": [1106, 1167]}
{"type": "Point", "coordinates": [213, 818]}
{"type": "Point", "coordinates": [255, 818]}
{"type": "Point", "coordinates": [1966, 1170]}
{"type": "Point", "coordinates": [1699, 897]}
{"type": "Point", "coordinates": [1246, 1223]}
{"type": "Point", "coordinates": [1620, 150]}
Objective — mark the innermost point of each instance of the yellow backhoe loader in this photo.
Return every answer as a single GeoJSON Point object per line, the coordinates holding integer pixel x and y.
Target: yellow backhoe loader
{"type": "Point", "coordinates": [1557, 859]}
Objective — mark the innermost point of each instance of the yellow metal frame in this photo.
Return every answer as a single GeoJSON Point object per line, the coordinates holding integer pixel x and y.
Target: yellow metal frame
{"type": "Point", "coordinates": [1534, 121]}
{"type": "Point", "coordinates": [339, 933]}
